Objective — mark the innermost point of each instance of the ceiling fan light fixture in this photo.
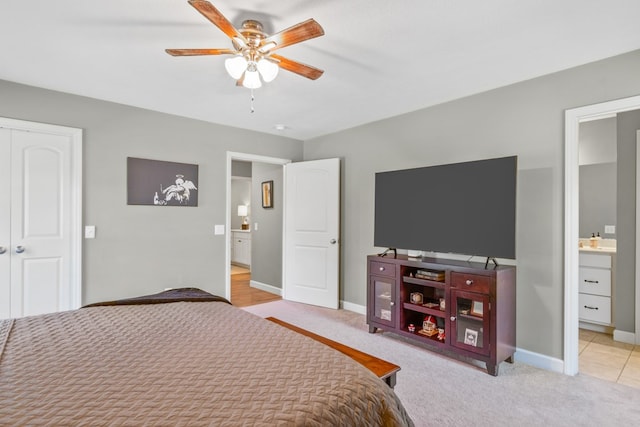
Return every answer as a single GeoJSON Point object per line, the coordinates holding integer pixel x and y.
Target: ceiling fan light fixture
{"type": "Point", "coordinates": [235, 66]}
{"type": "Point", "coordinates": [268, 69]}
{"type": "Point", "coordinates": [251, 80]}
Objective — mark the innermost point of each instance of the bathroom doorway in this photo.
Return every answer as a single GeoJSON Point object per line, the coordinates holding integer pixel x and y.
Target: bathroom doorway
{"type": "Point", "coordinates": [573, 119]}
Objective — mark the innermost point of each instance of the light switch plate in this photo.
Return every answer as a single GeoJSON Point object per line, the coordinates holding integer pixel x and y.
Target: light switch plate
{"type": "Point", "coordinates": [610, 229]}
{"type": "Point", "coordinates": [219, 230]}
{"type": "Point", "coordinates": [89, 231]}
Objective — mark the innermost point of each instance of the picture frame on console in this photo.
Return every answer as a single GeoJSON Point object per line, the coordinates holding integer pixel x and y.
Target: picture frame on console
{"type": "Point", "coordinates": [471, 337]}
{"type": "Point", "coordinates": [477, 308]}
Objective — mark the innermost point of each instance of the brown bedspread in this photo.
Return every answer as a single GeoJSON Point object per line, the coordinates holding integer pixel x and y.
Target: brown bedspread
{"type": "Point", "coordinates": [180, 364]}
{"type": "Point", "coordinates": [170, 295]}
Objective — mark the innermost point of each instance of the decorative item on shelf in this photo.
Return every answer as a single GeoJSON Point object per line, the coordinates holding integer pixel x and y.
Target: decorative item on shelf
{"type": "Point", "coordinates": [477, 308]}
{"type": "Point", "coordinates": [431, 304]}
{"type": "Point", "coordinates": [442, 304]}
{"type": "Point", "coordinates": [471, 337]}
{"type": "Point", "coordinates": [243, 211]}
{"type": "Point", "coordinates": [428, 333]}
{"type": "Point", "coordinates": [416, 298]}
{"type": "Point", "coordinates": [411, 327]}
{"type": "Point", "coordinates": [437, 276]}
{"type": "Point", "coordinates": [429, 324]}
{"type": "Point", "coordinates": [441, 334]}
{"type": "Point", "coordinates": [385, 314]}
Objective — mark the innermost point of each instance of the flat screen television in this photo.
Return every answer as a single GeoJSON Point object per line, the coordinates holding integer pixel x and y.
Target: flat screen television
{"type": "Point", "coordinates": [464, 208]}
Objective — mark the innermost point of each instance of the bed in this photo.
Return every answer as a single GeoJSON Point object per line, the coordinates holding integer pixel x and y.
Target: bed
{"type": "Point", "coordinates": [181, 358]}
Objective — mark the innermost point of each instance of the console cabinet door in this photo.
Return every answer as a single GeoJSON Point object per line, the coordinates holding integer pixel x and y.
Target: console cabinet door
{"type": "Point", "coordinates": [470, 321]}
{"type": "Point", "coordinates": [382, 299]}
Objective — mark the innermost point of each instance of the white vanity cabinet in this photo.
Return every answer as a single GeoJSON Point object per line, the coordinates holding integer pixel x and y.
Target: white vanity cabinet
{"type": "Point", "coordinates": [241, 247]}
{"type": "Point", "coordinates": [596, 288]}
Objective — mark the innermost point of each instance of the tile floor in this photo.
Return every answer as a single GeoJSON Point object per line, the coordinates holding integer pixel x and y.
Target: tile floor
{"type": "Point", "coordinates": [602, 357]}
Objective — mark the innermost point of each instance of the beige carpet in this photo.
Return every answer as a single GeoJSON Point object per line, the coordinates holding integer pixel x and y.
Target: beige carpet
{"type": "Point", "coordinates": [439, 390]}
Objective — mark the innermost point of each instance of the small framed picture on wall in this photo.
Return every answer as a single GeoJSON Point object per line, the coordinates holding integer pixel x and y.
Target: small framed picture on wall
{"type": "Point", "coordinates": [267, 194]}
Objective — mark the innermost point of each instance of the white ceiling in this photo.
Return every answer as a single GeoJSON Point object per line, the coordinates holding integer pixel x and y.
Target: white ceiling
{"type": "Point", "coordinates": [381, 58]}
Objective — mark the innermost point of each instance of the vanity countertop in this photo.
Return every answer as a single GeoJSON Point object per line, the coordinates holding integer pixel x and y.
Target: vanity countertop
{"type": "Point", "coordinates": [605, 246]}
{"type": "Point", "coordinates": [602, 250]}
{"type": "Point", "coordinates": [237, 230]}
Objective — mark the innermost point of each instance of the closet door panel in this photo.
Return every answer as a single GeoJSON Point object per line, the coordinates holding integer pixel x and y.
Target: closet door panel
{"type": "Point", "coordinates": [5, 224]}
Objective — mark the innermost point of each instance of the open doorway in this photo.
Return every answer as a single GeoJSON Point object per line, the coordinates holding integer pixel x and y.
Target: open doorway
{"type": "Point", "coordinates": [254, 237]}
{"type": "Point", "coordinates": [573, 118]}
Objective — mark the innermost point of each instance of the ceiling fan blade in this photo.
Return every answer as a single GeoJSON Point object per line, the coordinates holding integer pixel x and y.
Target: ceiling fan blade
{"type": "Point", "coordinates": [196, 52]}
{"type": "Point", "coordinates": [306, 30]}
{"type": "Point", "coordinates": [297, 67]}
{"type": "Point", "coordinates": [212, 14]}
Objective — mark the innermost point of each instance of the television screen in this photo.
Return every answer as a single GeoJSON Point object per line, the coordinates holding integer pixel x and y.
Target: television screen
{"type": "Point", "coordinates": [464, 208]}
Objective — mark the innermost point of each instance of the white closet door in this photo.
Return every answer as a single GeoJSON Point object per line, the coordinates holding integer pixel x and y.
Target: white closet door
{"type": "Point", "coordinates": [5, 223]}
{"type": "Point", "coordinates": [40, 218]}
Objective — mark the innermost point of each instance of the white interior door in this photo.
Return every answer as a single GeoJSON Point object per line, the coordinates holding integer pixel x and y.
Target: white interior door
{"type": "Point", "coordinates": [39, 271]}
{"type": "Point", "coordinates": [311, 232]}
{"type": "Point", "coordinates": [5, 224]}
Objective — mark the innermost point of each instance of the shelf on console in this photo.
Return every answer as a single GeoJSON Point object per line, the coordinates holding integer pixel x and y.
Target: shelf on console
{"type": "Point", "coordinates": [422, 309]}
{"type": "Point", "coordinates": [423, 282]}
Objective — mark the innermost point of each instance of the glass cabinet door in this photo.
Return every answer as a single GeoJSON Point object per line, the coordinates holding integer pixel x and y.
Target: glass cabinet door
{"type": "Point", "coordinates": [383, 300]}
{"type": "Point", "coordinates": [470, 315]}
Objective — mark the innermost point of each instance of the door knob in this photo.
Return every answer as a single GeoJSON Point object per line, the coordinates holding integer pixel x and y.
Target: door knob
{"type": "Point", "coordinates": [19, 249]}
{"type": "Point", "coordinates": [333, 241]}
{"type": "Point", "coordinates": [2, 250]}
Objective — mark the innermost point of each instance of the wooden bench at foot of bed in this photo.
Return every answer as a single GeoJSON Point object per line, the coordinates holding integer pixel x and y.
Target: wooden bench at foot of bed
{"type": "Point", "coordinates": [383, 369]}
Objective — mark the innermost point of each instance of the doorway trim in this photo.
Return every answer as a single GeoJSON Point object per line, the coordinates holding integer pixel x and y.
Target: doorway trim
{"type": "Point", "coordinates": [573, 118]}
{"type": "Point", "coordinates": [74, 297]}
{"type": "Point", "coordinates": [231, 155]}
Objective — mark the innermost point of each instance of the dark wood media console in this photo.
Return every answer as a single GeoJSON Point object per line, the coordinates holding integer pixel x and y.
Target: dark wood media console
{"type": "Point", "coordinates": [454, 306]}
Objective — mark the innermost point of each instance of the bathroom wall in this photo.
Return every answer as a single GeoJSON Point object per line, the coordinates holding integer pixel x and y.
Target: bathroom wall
{"type": "Point", "coordinates": [598, 176]}
{"type": "Point", "coordinates": [240, 190]}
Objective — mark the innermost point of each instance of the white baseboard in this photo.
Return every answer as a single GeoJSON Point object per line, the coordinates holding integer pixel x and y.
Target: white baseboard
{"type": "Point", "coordinates": [624, 336]}
{"type": "Point", "coordinates": [264, 287]}
{"type": "Point", "coordinates": [596, 328]}
{"type": "Point", "coordinates": [357, 308]}
{"type": "Point", "coordinates": [539, 360]}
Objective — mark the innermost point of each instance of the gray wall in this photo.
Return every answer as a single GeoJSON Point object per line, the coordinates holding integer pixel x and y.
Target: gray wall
{"type": "Point", "coordinates": [597, 142]}
{"type": "Point", "coordinates": [144, 249]}
{"type": "Point", "coordinates": [266, 241]}
{"type": "Point", "coordinates": [240, 195]}
{"type": "Point", "coordinates": [598, 197]}
{"type": "Point", "coordinates": [628, 124]}
{"type": "Point", "coordinates": [525, 119]}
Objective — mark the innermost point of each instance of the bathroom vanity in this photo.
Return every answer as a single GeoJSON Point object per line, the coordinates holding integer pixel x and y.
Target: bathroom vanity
{"type": "Point", "coordinates": [597, 284]}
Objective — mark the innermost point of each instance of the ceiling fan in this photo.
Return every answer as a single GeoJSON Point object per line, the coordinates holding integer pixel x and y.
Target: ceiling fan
{"type": "Point", "coordinates": [253, 59]}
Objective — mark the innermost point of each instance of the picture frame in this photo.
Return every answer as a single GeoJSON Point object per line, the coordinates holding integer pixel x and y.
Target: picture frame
{"type": "Point", "coordinates": [161, 183]}
{"type": "Point", "coordinates": [471, 337]}
{"type": "Point", "coordinates": [477, 308]}
{"type": "Point", "coordinates": [267, 194]}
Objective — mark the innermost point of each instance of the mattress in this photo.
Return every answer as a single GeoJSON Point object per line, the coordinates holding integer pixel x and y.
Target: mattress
{"type": "Point", "coordinates": [180, 363]}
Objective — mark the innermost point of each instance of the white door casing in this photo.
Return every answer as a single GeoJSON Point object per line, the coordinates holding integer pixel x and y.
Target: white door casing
{"type": "Point", "coordinates": [311, 232]}
{"type": "Point", "coordinates": [573, 118]}
{"type": "Point", "coordinates": [43, 272]}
